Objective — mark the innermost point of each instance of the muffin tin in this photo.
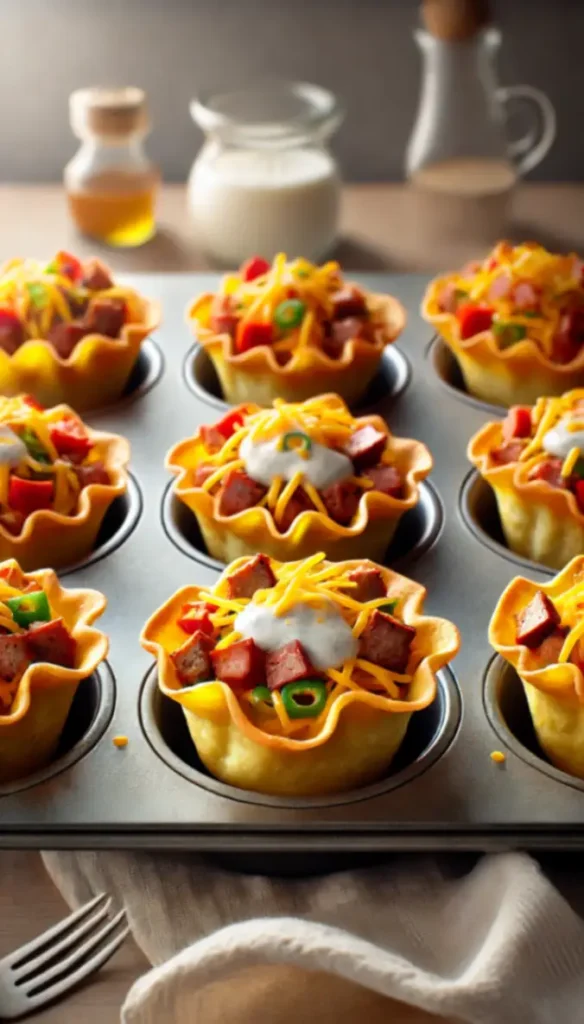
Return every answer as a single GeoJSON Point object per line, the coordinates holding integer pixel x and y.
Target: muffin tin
{"type": "Point", "coordinates": [443, 791]}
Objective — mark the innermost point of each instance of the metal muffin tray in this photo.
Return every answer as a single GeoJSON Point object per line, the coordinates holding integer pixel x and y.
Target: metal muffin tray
{"type": "Point", "coordinates": [443, 791]}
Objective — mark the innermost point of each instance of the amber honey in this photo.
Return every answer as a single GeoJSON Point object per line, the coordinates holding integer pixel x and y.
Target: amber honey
{"type": "Point", "coordinates": [121, 218]}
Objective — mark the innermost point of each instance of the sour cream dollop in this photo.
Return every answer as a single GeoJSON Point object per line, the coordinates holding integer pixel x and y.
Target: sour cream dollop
{"type": "Point", "coordinates": [559, 440]}
{"type": "Point", "coordinates": [263, 461]}
{"type": "Point", "coordinates": [12, 447]}
{"type": "Point", "coordinates": [323, 632]}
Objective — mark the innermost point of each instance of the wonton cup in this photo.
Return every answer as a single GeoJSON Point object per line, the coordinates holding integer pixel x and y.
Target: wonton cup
{"type": "Point", "coordinates": [49, 536]}
{"type": "Point", "coordinates": [360, 736]}
{"type": "Point", "coordinates": [515, 375]}
{"type": "Point", "coordinates": [30, 733]}
{"type": "Point", "coordinates": [95, 373]}
{"type": "Point", "coordinates": [540, 522]}
{"type": "Point", "coordinates": [256, 376]}
{"type": "Point", "coordinates": [555, 693]}
{"type": "Point", "coordinates": [253, 530]}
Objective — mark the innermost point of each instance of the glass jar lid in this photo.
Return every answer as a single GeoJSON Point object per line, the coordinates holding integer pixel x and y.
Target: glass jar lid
{"type": "Point", "coordinates": [269, 114]}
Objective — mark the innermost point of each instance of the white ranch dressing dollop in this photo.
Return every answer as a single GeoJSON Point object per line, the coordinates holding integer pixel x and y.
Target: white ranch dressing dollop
{"type": "Point", "coordinates": [12, 447]}
{"type": "Point", "coordinates": [323, 633]}
{"type": "Point", "coordinates": [559, 441]}
{"type": "Point", "coordinates": [263, 461]}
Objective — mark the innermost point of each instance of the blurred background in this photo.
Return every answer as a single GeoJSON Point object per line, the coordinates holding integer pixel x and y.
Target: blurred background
{"type": "Point", "coordinates": [361, 49]}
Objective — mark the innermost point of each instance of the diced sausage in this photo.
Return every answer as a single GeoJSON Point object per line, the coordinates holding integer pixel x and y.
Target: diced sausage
{"type": "Point", "coordinates": [241, 666]}
{"type": "Point", "coordinates": [94, 473]}
{"type": "Point", "coordinates": [11, 334]}
{"type": "Point", "coordinates": [524, 296]}
{"type": "Point", "coordinates": [507, 453]}
{"type": "Point", "coordinates": [95, 276]}
{"type": "Point", "coordinates": [345, 330]}
{"type": "Point", "coordinates": [212, 438]}
{"type": "Point", "coordinates": [348, 301]}
{"type": "Point", "coordinates": [537, 620]}
{"type": "Point", "coordinates": [105, 316]}
{"type": "Point", "coordinates": [500, 287]}
{"type": "Point", "coordinates": [369, 582]}
{"type": "Point", "coordinates": [365, 446]}
{"type": "Point", "coordinates": [64, 337]}
{"type": "Point", "coordinates": [203, 472]}
{"type": "Point", "coordinates": [341, 501]}
{"type": "Point", "coordinates": [448, 298]}
{"type": "Point", "coordinates": [192, 661]}
{"type": "Point", "coordinates": [254, 575]}
{"type": "Point", "coordinates": [239, 492]}
{"type": "Point", "coordinates": [14, 658]}
{"type": "Point", "coordinates": [570, 336]}
{"type": "Point", "coordinates": [385, 641]}
{"type": "Point", "coordinates": [551, 471]}
{"type": "Point", "coordinates": [470, 269]}
{"type": "Point", "coordinates": [287, 665]}
{"type": "Point", "coordinates": [386, 479]}
{"type": "Point", "coordinates": [12, 519]}
{"type": "Point", "coordinates": [549, 650]}
{"type": "Point", "coordinates": [51, 642]}
{"type": "Point", "coordinates": [223, 319]}
{"type": "Point", "coordinates": [299, 502]}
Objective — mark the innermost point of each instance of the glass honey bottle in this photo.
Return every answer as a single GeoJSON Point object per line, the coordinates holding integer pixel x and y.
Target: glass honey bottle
{"type": "Point", "coordinates": [111, 184]}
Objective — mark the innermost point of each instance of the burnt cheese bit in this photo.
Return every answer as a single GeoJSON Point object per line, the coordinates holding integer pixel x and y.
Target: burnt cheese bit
{"type": "Point", "coordinates": [537, 621]}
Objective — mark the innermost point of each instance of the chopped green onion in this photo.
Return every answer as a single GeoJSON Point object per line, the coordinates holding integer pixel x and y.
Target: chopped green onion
{"type": "Point", "coordinates": [261, 696]}
{"type": "Point", "coordinates": [289, 314]}
{"type": "Point", "coordinates": [34, 445]}
{"type": "Point", "coordinates": [508, 333]}
{"type": "Point", "coordinates": [288, 443]}
{"type": "Point", "coordinates": [305, 699]}
{"type": "Point", "coordinates": [37, 294]}
{"type": "Point", "coordinates": [460, 294]}
{"type": "Point", "coordinates": [30, 608]}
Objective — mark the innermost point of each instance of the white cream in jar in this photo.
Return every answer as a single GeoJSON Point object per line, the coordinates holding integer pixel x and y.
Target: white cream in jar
{"type": "Point", "coordinates": [264, 201]}
{"type": "Point", "coordinates": [323, 632]}
{"type": "Point", "coordinates": [559, 441]}
{"type": "Point", "coordinates": [263, 460]}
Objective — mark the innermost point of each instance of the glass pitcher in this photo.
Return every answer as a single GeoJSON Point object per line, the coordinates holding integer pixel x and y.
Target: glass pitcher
{"type": "Point", "coordinates": [459, 147]}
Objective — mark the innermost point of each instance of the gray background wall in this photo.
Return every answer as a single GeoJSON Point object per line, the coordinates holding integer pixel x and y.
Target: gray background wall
{"type": "Point", "coordinates": [362, 49]}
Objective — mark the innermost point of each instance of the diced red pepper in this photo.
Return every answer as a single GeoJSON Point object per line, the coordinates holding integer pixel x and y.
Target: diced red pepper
{"type": "Point", "coordinates": [195, 615]}
{"type": "Point", "coordinates": [579, 490]}
{"type": "Point", "coordinates": [27, 496]}
{"type": "Point", "coordinates": [473, 319]}
{"type": "Point", "coordinates": [8, 316]}
{"type": "Point", "coordinates": [69, 437]}
{"type": "Point", "coordinates": [517, 422]}
{"type": "Point", "coordinates": [230, 423]}
{"type": "Point", "coordinates": [254, 267]}
{"type": "Point", "coordinates": [31, 401]}
{"type": "Point", "coordinates": [252, 333]}
{"type": "Point", "coordinates": [67, 265]}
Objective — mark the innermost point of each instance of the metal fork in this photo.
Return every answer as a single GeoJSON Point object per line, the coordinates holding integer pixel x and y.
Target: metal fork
{"type": "Point", "coordinates": [46, 968]}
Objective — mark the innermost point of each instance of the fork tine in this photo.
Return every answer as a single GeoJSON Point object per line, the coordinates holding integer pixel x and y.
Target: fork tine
{"type": "Point", "coordinates": [82, 972]}
{"type": "Point", "coordinates": [31, 967]}
{"type": "Point", "coordinates": [15, 959]}
{"type": "Point", "coordinates": [70, 962]}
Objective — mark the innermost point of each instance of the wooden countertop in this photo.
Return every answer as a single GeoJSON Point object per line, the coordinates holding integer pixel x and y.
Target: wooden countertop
{"type": "Point", "coordinates": [381, 230]}
{"type": "Point", "coordinates": [384, 227]}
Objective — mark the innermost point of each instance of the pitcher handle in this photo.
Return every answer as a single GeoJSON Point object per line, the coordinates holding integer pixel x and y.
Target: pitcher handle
{"type": "Point", "coordinates": [536, 143]}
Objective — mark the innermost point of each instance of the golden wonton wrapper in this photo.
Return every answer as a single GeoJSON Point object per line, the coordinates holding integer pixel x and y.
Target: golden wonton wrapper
{"type": "Point", "coordinates": [555, 693]}
{"type": "Point", "coordinates": [360, 737]}
{"type": "Point", "coordinates": [539, 521]}
{"type": "Point", "coordinates": [519, 374]}
{"type": "Point", "coordinates": [256, 376]}
{"type": "Point", "coordinates": [95, 373]}
{"type": "Point", "coordinates": [30, 733]}
{"type": "Point", "coordinates": [230, 537]}
{"type": "Point", "coordinates": [50, 536]}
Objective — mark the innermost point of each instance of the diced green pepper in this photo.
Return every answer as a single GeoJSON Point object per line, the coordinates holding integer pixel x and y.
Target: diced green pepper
{"type": "Point", "coordinates": [34, 445]}
{"type": "Point", "coordinates": [261, 697]}
{"type": "Point", "coordinates": [37, 294]}
{"type": "Point", "coordinates": [30, 608]}
{"type": "Point", "coordinates": [389, 608]}
{"type": "Point", "coordinates": [304, 699]}
{"type": "Point", "coordinates": [289, 314]}
{"type": "Point", "coordinates": [578, 470]}
{"type": "Point", "coordinates": [533, 314]}
{"type": "Point", "coordinates": [288, 443]}
{"type": "Point", "coordinates": [508, 333]}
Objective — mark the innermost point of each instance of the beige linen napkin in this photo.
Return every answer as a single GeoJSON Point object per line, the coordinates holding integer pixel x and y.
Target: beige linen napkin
{"type": "Point", "coordinates": [497, 944]}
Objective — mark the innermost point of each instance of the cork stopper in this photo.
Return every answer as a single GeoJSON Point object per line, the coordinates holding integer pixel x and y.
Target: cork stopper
{"type": "Point", "coordinates": [455, 20]}
{"type": "Point", "coordinates": [108, 112]}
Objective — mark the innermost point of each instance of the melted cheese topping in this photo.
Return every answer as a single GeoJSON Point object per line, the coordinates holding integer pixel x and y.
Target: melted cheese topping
{"type": "Point", "coordinates": [559, 429]}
